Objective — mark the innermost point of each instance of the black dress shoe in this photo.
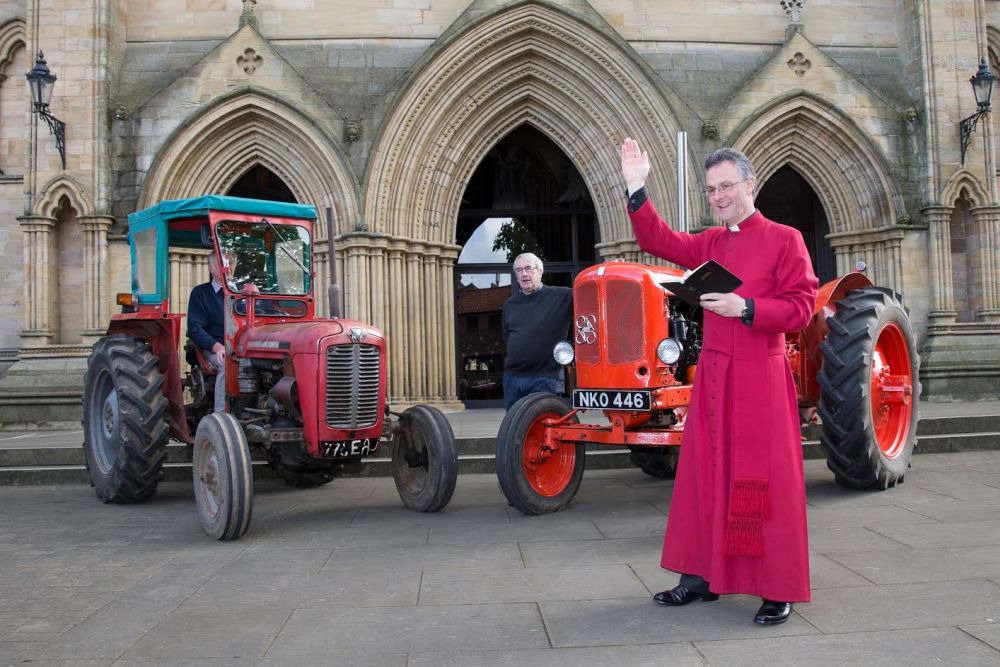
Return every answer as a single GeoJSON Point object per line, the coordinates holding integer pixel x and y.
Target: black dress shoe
{"type": "Point", "coordinates": [773, 613]}
{"type": "Point", "coordinates": [681, 595]}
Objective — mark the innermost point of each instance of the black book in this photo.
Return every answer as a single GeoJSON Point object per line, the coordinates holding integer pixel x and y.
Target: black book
{"type": "Point", "coordinates": [709, 277]}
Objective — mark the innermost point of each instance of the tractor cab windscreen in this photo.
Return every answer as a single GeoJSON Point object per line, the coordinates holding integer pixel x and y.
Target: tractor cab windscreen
{"type": "Point", "coordinates": [273, 257]}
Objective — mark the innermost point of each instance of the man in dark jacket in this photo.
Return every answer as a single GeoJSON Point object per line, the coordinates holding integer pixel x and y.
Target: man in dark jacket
{"type": "Point", "coordinates": [206, 327]}
{"type": "Point", "coordinates": [534, 320]}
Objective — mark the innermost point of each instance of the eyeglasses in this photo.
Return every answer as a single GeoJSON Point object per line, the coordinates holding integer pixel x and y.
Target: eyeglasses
{"type": "Point", "coordinates": [724, 188]}
{"type": "Point", "coordinates": [525, 269]}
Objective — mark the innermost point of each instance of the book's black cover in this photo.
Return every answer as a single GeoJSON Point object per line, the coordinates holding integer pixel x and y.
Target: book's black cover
{"type": "Point", "coordinates": [709, 277]}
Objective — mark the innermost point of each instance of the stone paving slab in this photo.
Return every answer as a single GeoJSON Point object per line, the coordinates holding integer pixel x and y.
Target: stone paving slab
{"type": "Point", "coordinates": [945, 646]}
{"type": "Point", "coordinates": [530, 585]}
{"type": "Point", "coordinates": [437, 628]}
{"type": "Point", "coordinates": [899, 606]}
{"type": "Point", "coordinates": [922, 565]}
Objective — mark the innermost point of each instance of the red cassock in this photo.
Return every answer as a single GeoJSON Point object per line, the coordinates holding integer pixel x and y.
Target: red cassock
{"type": "Point", "coordinates": [738, 512]}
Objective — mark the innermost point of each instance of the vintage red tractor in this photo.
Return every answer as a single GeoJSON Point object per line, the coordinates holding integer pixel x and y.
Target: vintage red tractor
{"type": "Point", "coordinates": [634, 357]}
{"type": "Point", "coordinates": [309, 393]}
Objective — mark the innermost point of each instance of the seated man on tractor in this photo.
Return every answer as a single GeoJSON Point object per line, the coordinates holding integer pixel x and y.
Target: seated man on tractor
{"type": "Point", "coordinates": [206, 327]}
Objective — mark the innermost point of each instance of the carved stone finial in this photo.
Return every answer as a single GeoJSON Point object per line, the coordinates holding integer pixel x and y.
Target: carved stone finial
{"type": "Point", "coordinates": [709, 130]}
{"type": "Point", "coordinates": [248, 15]}
{"type": "Point", "coordinates": [249, 61]}
{"type": "Point", "coordinates": [352, 131]}
{"type": "Point", "coordinates": [793, 9]}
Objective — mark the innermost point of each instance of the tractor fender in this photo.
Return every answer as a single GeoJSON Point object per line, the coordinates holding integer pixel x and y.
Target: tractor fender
{"type": "Point", "coordinates": [162, 331]}
{"type": "Point", "coordinates": [810, 358]}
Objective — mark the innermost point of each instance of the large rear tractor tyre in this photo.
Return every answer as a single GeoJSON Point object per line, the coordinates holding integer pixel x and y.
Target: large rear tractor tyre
{"type": "Point", "coordinates": [869, 390]}
{"type": "Point", "coordinates": [537, 479]}
{"type": "Point", "coordinates": [659, 462]}
{"type": "Point", "coordinates": [223, 477]}
{"type": "Point", "coordinates": [424, 459]}
{"type": "Point", "coordinates": [125, 428]}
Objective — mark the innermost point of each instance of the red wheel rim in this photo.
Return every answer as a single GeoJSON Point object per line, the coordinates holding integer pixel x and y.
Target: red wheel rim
{"type": "Point", "coordinates": [891, 390]}
{"type": "Point", "coordinates": [548, 471]}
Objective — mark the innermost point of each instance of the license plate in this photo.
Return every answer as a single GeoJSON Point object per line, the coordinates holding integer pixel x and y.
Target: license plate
{"type": "Point", "coordinates": [612, 400]}
{"type": "Point", "coordinates": [348, 448]}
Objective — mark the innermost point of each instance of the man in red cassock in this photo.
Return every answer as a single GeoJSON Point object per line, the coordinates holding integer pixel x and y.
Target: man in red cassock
{"type": "Point", "coordinates": [738, 514]}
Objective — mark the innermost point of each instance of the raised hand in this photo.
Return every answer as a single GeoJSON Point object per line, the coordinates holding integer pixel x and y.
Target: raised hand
{"type": "Point", "coordinates": [635, 164]}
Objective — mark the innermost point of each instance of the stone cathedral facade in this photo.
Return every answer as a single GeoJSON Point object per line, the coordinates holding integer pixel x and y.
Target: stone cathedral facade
{"type": "Point", "coordinates": [383, 113]}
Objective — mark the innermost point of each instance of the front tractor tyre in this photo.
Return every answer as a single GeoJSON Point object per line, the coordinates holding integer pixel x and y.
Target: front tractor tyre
{"type": "Point", "coordinates": [869, 390]}
{"type": "Point", "coordinates": [125, 428]}
{"type": "Point", "coordinates": [223, 477]}
{"type": "Point", "coordinates": [536, 478]}
{"type": "Point", "coordinates": [424, 459]}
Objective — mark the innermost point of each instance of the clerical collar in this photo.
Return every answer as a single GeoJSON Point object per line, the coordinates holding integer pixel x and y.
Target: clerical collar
{"type": "Point", "coordinates": [734, 228]}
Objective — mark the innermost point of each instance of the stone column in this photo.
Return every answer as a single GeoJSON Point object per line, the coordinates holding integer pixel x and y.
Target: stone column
{"type": "Point", "coordinates": [96, 288]}
{"type": "Point", "coordinates": [396, 326]}
{"type": "Point", "coordinates": [446, 286]}
{"type": "Point", "coordinates": [939, 238]}
{"type": "Point", "coordinates": [39, 283]}
{"type": "Point", "coordinates": [987, 219]}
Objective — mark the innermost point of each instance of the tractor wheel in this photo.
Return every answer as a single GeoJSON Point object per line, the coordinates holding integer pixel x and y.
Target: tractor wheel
{"type": "Point", "coordinates": [424, 459]}
{"type": "Point", "coordinates": [536, 479]}
{"type": "Point", "coordinates": [303, 478]}
{"type": "Point", "coordinates": [869, 389]}
{"type": "Point", "coordinates": [659, 462]}
{"type": "Point", "coordinates": [223, 477]}
{"type": "Point", "coordinates": [124, 420]}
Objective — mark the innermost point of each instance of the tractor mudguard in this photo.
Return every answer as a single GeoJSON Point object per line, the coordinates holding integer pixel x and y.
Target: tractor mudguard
{"type": "Point", "coordinates": [162, 332]}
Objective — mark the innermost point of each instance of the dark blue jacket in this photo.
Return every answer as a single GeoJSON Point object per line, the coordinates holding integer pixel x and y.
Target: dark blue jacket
{"type": "Point", "coordinates": [205, 308]}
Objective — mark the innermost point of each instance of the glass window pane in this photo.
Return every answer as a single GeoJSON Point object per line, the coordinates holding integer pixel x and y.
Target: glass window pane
{"type": "Point", "coordinates": [145, 260]}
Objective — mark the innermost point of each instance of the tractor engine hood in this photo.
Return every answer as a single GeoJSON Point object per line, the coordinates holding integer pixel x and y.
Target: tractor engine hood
{"type": "Point", "coordinates": [291, 338]}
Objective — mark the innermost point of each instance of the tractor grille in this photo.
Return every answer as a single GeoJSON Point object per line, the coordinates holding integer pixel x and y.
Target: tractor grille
{"type": "Point", "coordinates": [586, 308]}
{"type": "Point", "coordinates": [624, 321]}
{"type": "Point", "coordinates": [352, 386]}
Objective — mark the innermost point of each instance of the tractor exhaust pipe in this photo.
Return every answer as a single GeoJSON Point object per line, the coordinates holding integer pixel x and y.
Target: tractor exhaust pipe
{"type": "Point", "coordinates": [682, 149]}
{"type": "Point", "coordinates": [333, 289]}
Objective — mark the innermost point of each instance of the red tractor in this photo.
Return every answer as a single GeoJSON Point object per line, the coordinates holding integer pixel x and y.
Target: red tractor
{"type": "Point", "coordinates": [634, 356]}
{"type": "Point", "coordinates": [308, 393]}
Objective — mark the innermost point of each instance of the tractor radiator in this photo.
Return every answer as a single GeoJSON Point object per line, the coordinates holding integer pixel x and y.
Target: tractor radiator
{"type": "Point", "coordinates": [624, 321]}
{"type": "Point", "coordinates": [352, 386]}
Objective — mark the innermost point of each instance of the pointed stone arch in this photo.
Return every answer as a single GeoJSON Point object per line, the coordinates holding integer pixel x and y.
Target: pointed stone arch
{"type": "Point", "coordinates": [528, 64]}
{"type": "Point", "coordinates": [213, 149]}
{"type": "Point", "coordinates": [963, 179]}
{"type": "Point", "coordinates": [849, 173]}
{"type": "Point", "coordinates": [207, 154]}
{"type": "Point", "coordinates": [12, 36]}
{"type": "Point", "coordinates": [48, 201]}
{"type": "Point", "coordinates": [574, 80]}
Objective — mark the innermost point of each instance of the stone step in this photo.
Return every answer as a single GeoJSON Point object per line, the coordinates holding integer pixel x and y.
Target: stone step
{"type": "Point", "coordinates": [65, 465]}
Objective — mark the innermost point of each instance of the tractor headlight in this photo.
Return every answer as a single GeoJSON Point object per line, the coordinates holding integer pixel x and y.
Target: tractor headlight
{"type": "Point", "coordinates": [563, 353]}
{"type": "Point", "coordinates": [669, 350]}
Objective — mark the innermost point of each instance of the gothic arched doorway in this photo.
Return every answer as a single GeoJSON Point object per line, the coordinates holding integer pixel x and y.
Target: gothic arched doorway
{"type": "Point", "coordinates": [525, 196]}
{"type": "Point", "coordinates": [787, 198]}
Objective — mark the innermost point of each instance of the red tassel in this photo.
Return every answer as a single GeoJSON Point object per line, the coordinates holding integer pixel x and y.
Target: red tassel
{"type": "Point", "coordinates": [749, 498]}
{"type": "Point", "coordinates": [744, 537]}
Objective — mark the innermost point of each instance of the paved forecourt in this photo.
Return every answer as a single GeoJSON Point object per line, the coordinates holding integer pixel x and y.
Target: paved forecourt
{"type": "Point", "coordinates": [343, 575]}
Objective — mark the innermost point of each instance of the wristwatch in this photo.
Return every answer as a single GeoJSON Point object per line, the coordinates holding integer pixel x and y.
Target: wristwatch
{"type": "Point", "coordinates": [746, 317]}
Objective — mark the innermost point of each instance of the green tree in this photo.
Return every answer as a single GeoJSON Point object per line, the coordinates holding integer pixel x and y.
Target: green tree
{"type": "Point", "coordinates": [515, 238]}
